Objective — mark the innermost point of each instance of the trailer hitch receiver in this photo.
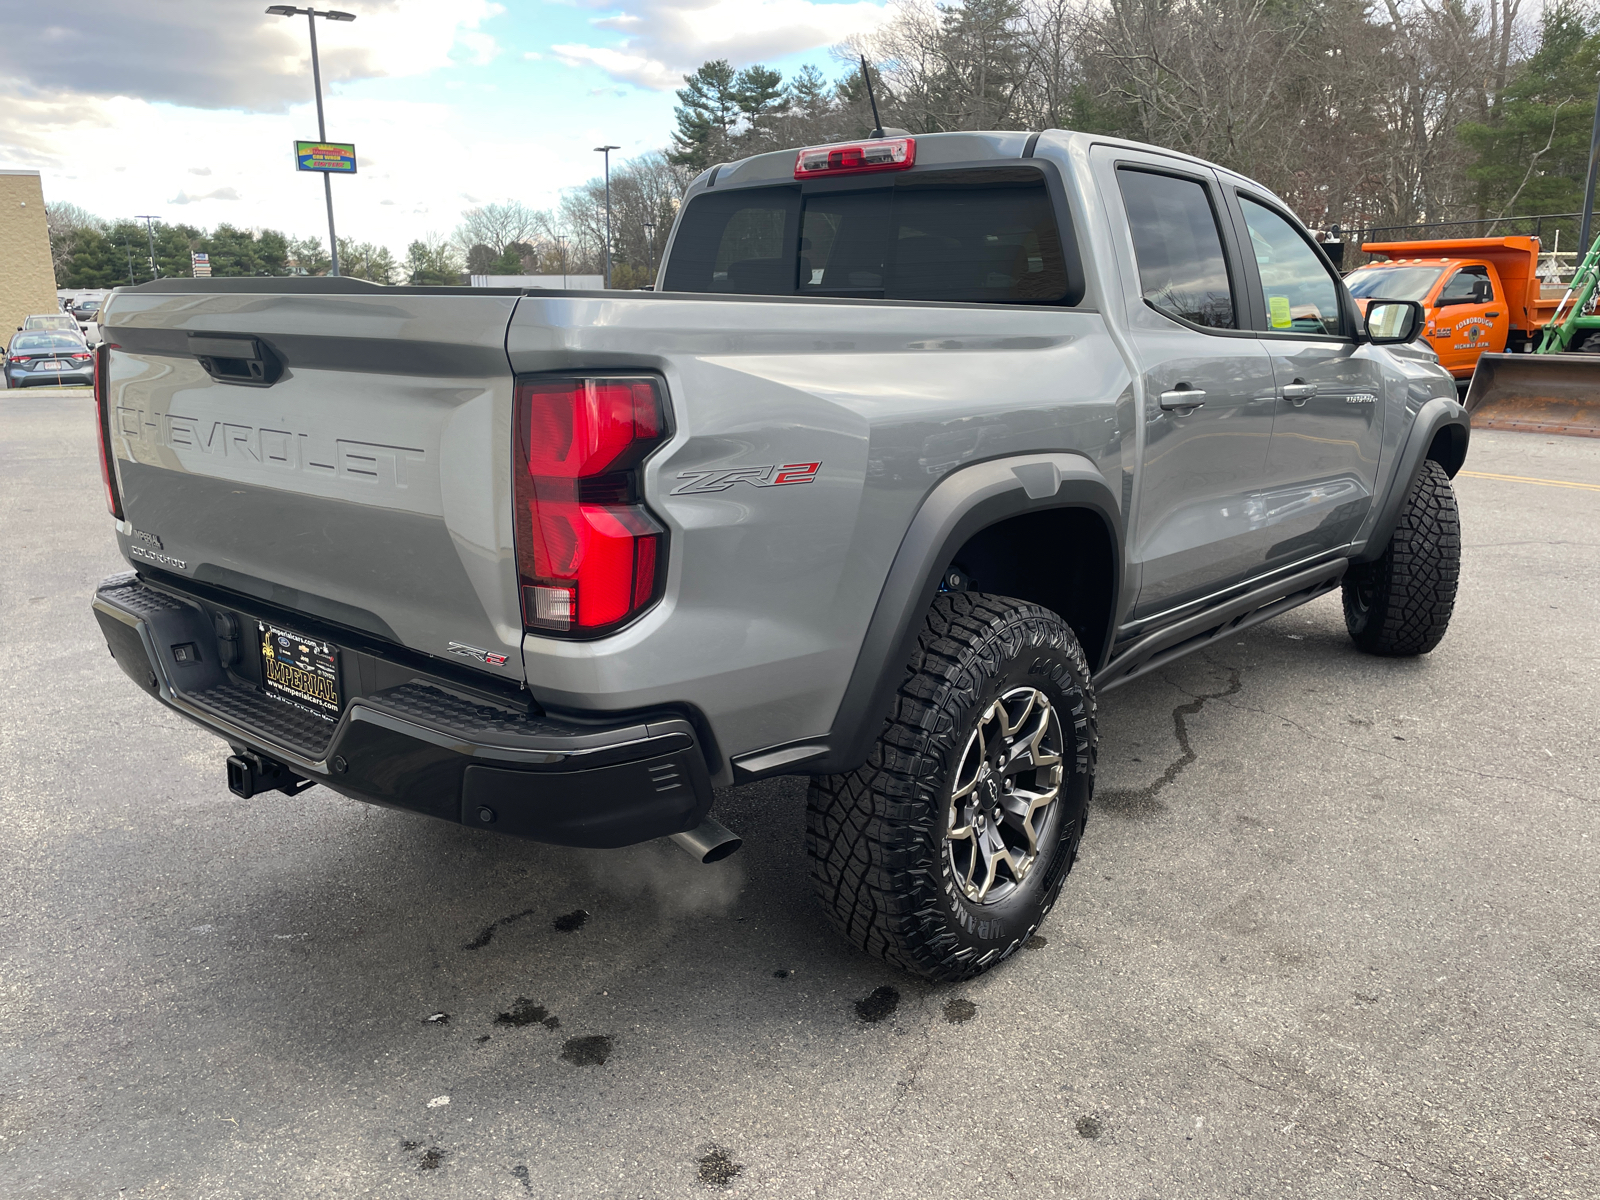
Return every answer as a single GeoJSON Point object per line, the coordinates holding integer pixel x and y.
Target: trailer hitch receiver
{"type": "Point", "coordinates": [250, 774]}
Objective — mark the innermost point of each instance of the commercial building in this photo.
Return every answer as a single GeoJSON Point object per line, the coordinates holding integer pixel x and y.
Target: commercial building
{"type": "Point", "coordinates": [27, 278]}
{"type": "Point", "coordinates": [577, 283]}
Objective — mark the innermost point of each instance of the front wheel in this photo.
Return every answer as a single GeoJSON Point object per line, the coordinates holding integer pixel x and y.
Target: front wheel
{"type": "Point", "coordinates": [1400, 603]}
{"type": "Point", "coordinates": [945, 851]}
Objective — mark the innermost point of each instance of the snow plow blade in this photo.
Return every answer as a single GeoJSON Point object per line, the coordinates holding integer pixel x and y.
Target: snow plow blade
{"type": "Point", "coordinates": [1537, 393]}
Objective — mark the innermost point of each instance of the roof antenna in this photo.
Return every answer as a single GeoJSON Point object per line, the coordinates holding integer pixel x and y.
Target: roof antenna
{"type": "Point", "coordinates": [866, 75]}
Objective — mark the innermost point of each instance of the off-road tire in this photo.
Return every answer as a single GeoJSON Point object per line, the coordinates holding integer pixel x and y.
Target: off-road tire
{"type": "Point", "coordinates": [1400, 603]}
{"type": "Point", "coordinates": [876, 836]}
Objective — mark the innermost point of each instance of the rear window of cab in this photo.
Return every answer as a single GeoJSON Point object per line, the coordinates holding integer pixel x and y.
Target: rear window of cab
{"type": "Point", "coordinates": [45, 341]}
{"type": "Point", "coordinates": [979, 235]}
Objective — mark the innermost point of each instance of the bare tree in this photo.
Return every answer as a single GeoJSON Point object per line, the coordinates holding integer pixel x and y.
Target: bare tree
{"type": "Point", "coordinates": [64, 222]}
{"type": "Point", "coordinates": [498, 226]}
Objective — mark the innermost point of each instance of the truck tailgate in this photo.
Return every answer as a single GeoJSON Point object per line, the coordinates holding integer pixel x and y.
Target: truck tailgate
{"type": "Point", "coordinates": [356, 470]}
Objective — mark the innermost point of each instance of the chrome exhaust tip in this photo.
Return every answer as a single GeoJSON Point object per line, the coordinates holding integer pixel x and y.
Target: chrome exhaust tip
{"type": "Point", "coordinates": [708, 841]}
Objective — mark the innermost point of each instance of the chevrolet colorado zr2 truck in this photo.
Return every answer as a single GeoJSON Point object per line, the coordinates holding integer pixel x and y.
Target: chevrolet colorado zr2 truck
{"type": "Point", "coordinates": [920, 445]}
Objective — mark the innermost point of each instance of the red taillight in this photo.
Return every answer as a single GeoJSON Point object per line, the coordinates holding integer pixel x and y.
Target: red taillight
{"type": "Point", "coordinates": [81, 357]}
{"type": "Point", "coordinates": [588, 553]}
{"type": "Point", "coordinates": [891, 154]}
{"type": "Point", "coordinates": [102, 413]}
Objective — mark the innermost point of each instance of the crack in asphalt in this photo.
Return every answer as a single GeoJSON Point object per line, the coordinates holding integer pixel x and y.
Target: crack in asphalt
{"type": "Point", "coordinates": [1233, 1070]}
{"type": "Point", "coordinates": [487, 936]}
{"type": "Point", "coordinates": [1142, 801]}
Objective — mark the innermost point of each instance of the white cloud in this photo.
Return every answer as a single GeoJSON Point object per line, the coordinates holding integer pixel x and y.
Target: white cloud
{"type": "Point", "coordinates": [225, 193]}
{"type": "Point", "coordinates": [199, 170]}
{"type": "Point", "coordinates": [127, 155]}
{"type": "Point", "coordinates": [481, 48]}
{"type": "Point", "coordinates": [630, 68]}
{"type": "Point", "coordinates": [204, 54]}
{"type": "Point", "coordinates": [665, 41]}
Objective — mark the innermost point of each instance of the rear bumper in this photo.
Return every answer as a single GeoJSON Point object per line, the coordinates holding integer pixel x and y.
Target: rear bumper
{"type": "Point", "coordinates": [426, 744]}
{"type": "Point", "coordinates": [22, 379]}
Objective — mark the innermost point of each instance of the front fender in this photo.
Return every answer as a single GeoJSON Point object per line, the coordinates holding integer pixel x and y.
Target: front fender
{"type": "Point", "coordinates": [1440, 414]}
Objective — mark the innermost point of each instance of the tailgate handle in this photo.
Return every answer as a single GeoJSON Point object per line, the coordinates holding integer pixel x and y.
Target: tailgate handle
{"type": "Point", "coordinates": [229, 359]}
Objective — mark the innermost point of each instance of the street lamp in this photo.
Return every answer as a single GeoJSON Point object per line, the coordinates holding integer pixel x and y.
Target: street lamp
{"type": "Point", "coordinates": [311, 15]}
{"type": "Point", "coordinates": [561, 244]}
{"type": "Point", "coordinates": [650, 250]}
{"type": "Point", "coordinates": [155, 271]}
{"type": "Point", "coordinates": [606, 150]}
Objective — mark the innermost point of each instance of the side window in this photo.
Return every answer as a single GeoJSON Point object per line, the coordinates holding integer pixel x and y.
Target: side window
{"type": "Point", "coordinates": [1299, 294]}
{"type": "Point", "coordinates": [1182, 270]}
{"type": "Point", "coordinates": [1469, 285]}
{"type": "Point", "coordinates": [740, 242]}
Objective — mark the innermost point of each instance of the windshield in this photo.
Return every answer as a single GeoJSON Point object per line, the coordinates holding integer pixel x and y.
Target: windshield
{"type": "Point", "coordinates": [45, 341]}
{"type": "Point", "coordinates": [61, 322]}
{"type": "Point", "coordinates": [1393, 283]}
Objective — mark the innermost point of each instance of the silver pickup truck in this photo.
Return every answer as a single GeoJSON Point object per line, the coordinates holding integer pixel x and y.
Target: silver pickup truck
{"type": "Point", "coordinates": [920, 445]}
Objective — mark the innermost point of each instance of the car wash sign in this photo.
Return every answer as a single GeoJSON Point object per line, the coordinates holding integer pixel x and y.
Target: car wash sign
{"type": "Point", "coordinates": [336, 157]}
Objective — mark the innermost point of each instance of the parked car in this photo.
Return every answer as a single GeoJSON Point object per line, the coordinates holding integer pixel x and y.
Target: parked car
{"type": "Point", "coordinates": [50, 356]}
{"type": "Point", "coordinates": [923, 446]}
{"type": "Point", "coordinates": [86, 311]}
{"type": "Point", "coordinates": [65, 322]}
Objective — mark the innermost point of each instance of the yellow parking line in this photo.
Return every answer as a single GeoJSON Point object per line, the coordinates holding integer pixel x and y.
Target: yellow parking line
{"type": "Point", "coordinates": [1588, 487]}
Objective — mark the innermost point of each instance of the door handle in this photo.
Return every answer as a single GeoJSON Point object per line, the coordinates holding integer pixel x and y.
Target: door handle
{"type": "Point", "coordinates": [1298, 392]}
{"type": "Point", "coordinates": [1183, 401]}
{"type": "Point", "coordinates": [1495, 314]}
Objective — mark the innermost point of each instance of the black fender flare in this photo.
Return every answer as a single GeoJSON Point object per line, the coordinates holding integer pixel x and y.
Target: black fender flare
{"type": "Point", "coordinates": [1440, 413]}
{"type": "Point", "coordinates": [961, 505]}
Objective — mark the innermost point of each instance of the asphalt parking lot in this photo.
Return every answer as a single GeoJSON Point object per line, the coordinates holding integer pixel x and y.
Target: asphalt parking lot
{"type": "Point", "coordinates": [1333, 935]}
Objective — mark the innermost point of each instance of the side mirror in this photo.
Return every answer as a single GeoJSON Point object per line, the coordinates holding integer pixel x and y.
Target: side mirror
{"type": "Point", "coordinates": [1393, 322]}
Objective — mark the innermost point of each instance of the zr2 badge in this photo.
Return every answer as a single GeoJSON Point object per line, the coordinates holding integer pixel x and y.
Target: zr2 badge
{"type": "Point", "coordinates": [698, 482]}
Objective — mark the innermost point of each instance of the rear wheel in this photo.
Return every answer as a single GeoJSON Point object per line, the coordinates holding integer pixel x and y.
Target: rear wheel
{"type": "Point", "coordinates": [1400, 603]}
{"type": "Point", "coordinates": [945, 851]}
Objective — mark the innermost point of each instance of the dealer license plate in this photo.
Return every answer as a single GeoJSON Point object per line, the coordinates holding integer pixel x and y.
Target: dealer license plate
{"type": "Point", "coordinates": [53, 365]}
{"type": "Point", "coordinates": [300, 670]}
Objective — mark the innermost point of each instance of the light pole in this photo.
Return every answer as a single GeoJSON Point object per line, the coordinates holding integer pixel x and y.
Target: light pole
{"type": "Point", "coordinates": [650, 251]}
{"type": "Point", "coordinates": [155, 271]}
{"type": "Point", "coordinates": [606, 150]}
{"type": "Point", "coordinates": [311, 15]}
{"type": "Point", "coordinates": [561, 244]}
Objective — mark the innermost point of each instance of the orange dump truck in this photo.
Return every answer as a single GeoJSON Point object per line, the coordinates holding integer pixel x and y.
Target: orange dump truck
{"type": "Point", "coordinates": [1481, 295]}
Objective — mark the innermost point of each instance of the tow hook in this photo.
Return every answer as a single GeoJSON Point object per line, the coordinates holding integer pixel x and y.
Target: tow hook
{"type": "Point", "coordinates": [250, 774]}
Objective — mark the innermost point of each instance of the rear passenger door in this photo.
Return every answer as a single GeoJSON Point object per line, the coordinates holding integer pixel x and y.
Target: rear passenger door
{"type": "Point", "coordinates": [1328, 423]}
{"type": "Point", "coordinates": [1208, 383]}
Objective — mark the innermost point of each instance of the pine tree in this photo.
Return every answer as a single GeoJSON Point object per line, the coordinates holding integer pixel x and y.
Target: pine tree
{"type": "Point", "coordinates": [1536, 158]}
{"type": "Point", "coordinates": [708, 106]}
{"type": "Point", "coordinates": [431, 263]}
{"type": "Point", "coordinates": [309, 256]}
{"type": "Point", "coordinates": [808, 92]}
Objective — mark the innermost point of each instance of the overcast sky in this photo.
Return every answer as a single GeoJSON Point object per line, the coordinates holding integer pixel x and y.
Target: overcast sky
{"type": "Point", "coordinates": [188, 109]}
